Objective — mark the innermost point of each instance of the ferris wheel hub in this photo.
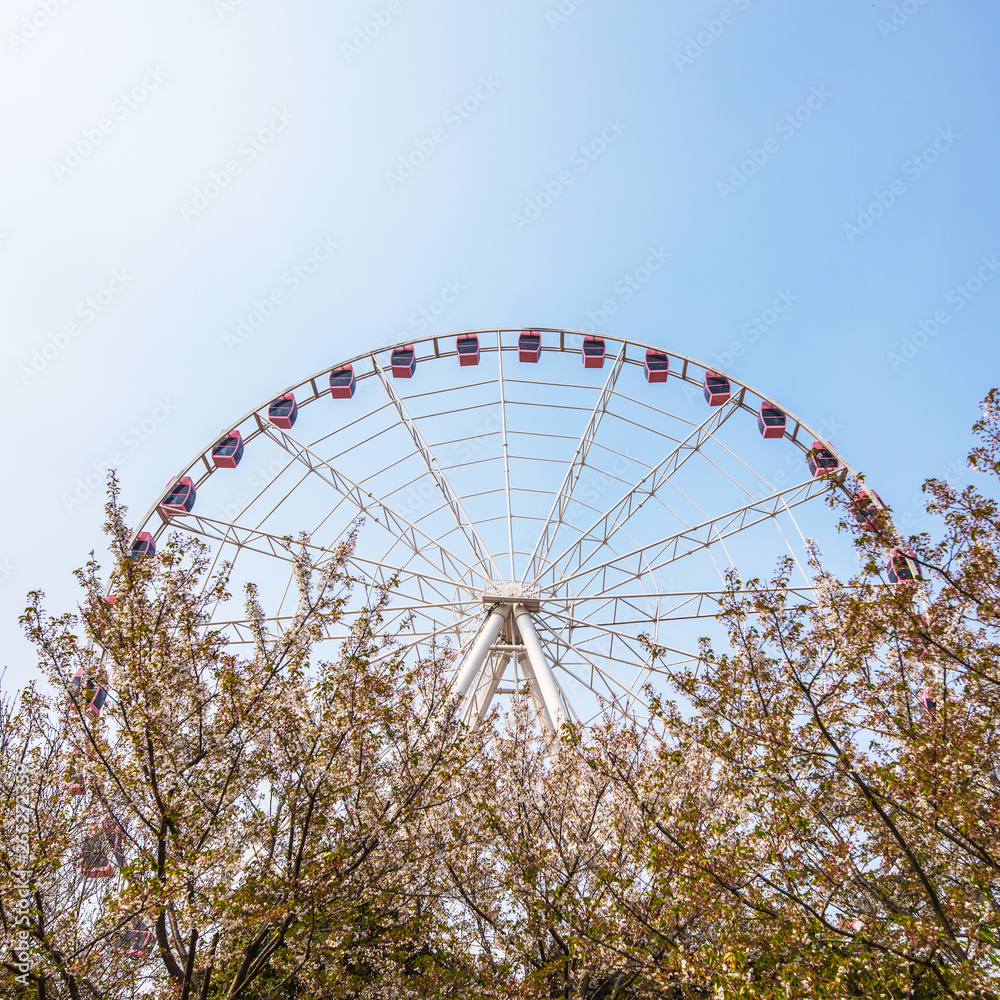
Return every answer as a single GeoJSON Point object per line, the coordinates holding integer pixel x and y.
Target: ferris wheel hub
{"type": "Point", "coordinates": [512, 592]}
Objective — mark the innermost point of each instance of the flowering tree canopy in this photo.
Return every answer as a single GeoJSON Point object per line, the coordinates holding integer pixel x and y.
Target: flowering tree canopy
{"type": "Point", "coordinates": [812, 811]}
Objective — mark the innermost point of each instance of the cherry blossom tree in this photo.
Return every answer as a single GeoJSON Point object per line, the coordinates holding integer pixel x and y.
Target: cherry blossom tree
{"type": "Point", "coordinates": [853, 759]}
{"type": "Point", "coordinates": [813, 810]}
{"type": "Point", "coordinates": [245, 824]}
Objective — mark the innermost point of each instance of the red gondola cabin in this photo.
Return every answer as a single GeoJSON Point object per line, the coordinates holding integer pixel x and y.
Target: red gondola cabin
{"type": "Point", "coordinates": [403, 362]}
{"type": "Point", "coordinates": [926, 702]}
{"type": "Point", "coordinates": [343, 382]}
{"type": "Point", "coordinates": [90, 695]}
{"type": "Point", "coordinates": [820, 460]}
{"type": "Point", "coordinates": [143, 547]}
{"type": "Point", "coordinates": [180, 497]}
{"type": "Point", "coordinates": [76, 785]}
{"type": "Point", "coordinates": [137, 943]}
{"type": "Point", "coordinates": [771, 421]}
{"type": "Point", "coordinates": [717, 389]}
{"type": "Point", "coordinates": [593, 352]}
{"type": "Point", "coordinates": [657, 366]}
{"type": "Point", "coordinates": [901, 567]}
{"type": "Point", "coordinates": [283, 411]}
{"type": "Point", "coordinates": [116, 840]}
{"type": "Point", "coordinates": [467, 349]}
{"type": "Point", "coordinates": [529, 347]}
{"type": "Point", "coordinates": [95, 860]}
{"type": "Point", "coordinates": [869, 510]}
{"type": "Point", "coordinates": [227, 451]}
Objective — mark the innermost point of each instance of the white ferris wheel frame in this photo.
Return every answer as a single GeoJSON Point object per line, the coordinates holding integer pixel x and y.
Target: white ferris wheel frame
{"type": "Point", "coordinates": [500, 635]}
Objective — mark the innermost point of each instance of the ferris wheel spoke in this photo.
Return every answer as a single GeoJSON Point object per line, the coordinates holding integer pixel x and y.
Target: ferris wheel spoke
{"type": "Point", "coordinates": [451, 498]}
{"type": "Point", "coordinates": [224, 532]}
{"type": "Point", "coordinates": [613, 632]}
{"type": "Point", "coordinates": [244, 633]}
{"type": "Point", "coordinates": [367, 503]}
{"type": "Point", "coordinates": [506, 456]}
{"type": "Point", "coordinates": [701, 536]}
{"type": "Point", "coordinates": [427, 638]}
{"type": "Point", "coordinates": [543, 546]}
{"type": "Point", "coordinates": [623, 509]}
{"type": "Point", "coordinates": [670, 606]}
{"type": "Point", "coordinates": [428, 592]}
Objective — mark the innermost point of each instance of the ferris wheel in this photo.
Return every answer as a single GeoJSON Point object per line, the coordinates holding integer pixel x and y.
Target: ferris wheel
{"type": "Point", "coordinates": [542, 505]}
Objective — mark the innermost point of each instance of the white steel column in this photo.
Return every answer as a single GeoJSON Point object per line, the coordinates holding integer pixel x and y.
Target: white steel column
{"type": "Point", "coordinates": [536, 695]}
{"type": "Point", "coordinates": [540, 666]}
{"type": "Point", "coordinates": [474, 659]}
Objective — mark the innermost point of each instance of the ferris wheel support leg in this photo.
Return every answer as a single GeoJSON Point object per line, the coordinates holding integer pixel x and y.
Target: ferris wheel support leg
{"type": "Point", "coordinates": [541, 709]}
{"type": "Point", "coordinates": [547, 687]}
{"type": "Point", "coordinates": [479, 704]}
{"type": "Point", "coordinates": [476, 656]}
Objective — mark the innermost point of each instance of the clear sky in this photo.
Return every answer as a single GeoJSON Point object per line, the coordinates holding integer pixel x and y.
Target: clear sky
{"type": "Point", "coordinates": [399, 167]}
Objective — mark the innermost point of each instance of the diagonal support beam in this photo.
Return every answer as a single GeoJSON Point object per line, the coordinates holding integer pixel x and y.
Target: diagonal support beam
{"type": "Point", "coordinates": [619, 513]}
{"type": "Point", "coordinates": [716, 529]}
{"type": "Point", "coordinates": [552, 523]}
{"type": "Point", "coordinates": [367, 503]}
{"type": "Point", "coordinates": [478, 705]}
{"type": "Point", "coordinates": [450, 496]}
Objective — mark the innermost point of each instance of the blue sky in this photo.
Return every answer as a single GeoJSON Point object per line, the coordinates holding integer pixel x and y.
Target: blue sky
{"type": "Point", "coordinates": [167, 167]}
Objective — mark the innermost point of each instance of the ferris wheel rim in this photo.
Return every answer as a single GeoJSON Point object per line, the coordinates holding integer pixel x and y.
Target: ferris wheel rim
{"type": "Point", "coordinates": [253, 415]}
